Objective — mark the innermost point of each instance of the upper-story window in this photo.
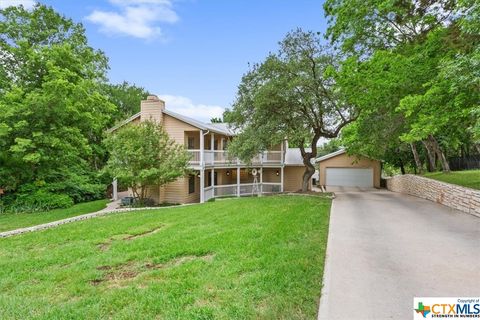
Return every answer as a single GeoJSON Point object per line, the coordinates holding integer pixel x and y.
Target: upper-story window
{"type": "Point", "coordinates": [215, 144]}
{"type": "Point", "coordinates": [191, 143]}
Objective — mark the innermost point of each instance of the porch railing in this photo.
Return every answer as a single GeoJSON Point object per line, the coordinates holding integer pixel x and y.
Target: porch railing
{"type": "Point", "coordinates": [244, 188]}
{"type": "Point", "coordinates": [221, 157]}
{"type": "Point", "coordinates": [209, 193]}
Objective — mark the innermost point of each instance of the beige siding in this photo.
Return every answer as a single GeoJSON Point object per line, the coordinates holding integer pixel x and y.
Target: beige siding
{"type": "Point", "coordinates": [293, 178]}
{"type": "Point", "coordinates": [270, 175]}
{"type": "Point", "coordinates": [176, 129]}
{"type": "Point", "coordinates": [153, 193]}
{"type": "Point", "coordinates": [177, 191]}
{"type": "Point", "coordinates": [346, 161]}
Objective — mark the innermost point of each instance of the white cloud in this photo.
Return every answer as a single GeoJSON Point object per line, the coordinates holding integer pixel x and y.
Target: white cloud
{"type": "Point", "coordinates": [136, 18]}
{"type": "Point", "coordinates": [27, 4]}
{"type": "Point", "coordinates": [186, 107]}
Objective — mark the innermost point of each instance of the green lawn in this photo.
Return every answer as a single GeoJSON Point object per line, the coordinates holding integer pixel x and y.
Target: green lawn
{"type": "Point", "coordinates": [468, 178]}
{"type": "Point", "coordinates": [249, 258]}
{"type": "Point", "coordinates": [10, 221]}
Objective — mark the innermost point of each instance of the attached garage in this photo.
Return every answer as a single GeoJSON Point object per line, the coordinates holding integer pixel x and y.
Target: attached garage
{"type": "Point", "coordinates": [342, 170]}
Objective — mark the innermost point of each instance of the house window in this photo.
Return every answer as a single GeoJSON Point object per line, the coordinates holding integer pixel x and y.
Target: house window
{"type": "Point", "coordinates": [191, 184]}
{"type": "Point", "coordinates": [191, 143]}
{"type": "Point", "coordinates": [215, 144]}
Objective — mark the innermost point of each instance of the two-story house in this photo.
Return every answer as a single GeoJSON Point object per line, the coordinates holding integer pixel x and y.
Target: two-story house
{"type": "Point", "coordinates": [215, 172]}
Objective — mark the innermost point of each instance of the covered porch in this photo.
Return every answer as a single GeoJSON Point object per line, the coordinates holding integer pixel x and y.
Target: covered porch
{"type": "Point", "coordinates": [239, 182]}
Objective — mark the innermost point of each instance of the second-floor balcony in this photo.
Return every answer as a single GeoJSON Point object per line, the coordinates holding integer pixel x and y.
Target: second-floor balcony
{"type": "Point", "coordinates": [221, 157]}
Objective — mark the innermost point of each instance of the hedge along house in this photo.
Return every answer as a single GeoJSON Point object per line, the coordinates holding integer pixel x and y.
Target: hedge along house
{"type": "Point", "coordinates": [216, 173]}
{"type": "Point", "coordinates": [338, 169]}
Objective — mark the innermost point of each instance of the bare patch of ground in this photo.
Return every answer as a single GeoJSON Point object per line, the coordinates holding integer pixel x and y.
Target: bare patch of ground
{"type": "Point", "coordinates": [116, 276]}
{"type": "Point", "coordinates": [143, 234]}
{"type": "Point", "coordinates": [104, 246]}
{"type": "Point", "coordinates": [179, 261]}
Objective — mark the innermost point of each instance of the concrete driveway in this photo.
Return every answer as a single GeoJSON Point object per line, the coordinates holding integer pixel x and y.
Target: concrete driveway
{"type": "Point", "coordinates": [385, 248]}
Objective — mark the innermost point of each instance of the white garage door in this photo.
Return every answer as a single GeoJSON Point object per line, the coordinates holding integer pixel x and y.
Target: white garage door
{"type": "Point", "coordinates": [349, 177]}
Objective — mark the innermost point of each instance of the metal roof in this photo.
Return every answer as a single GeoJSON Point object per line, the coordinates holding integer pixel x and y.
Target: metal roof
{"type": "Point", "coordinates": [124, 122]}
{"type": "Point", "coordinates": [220, 128]}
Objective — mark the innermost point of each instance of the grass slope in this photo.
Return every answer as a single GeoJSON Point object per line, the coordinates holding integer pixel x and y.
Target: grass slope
{"type": "Point", "coordinates": [468, 178]}
{"type": "Point", "coordinates": [244, 258]}
{"type": "Point", "coordinates": [10, 221]}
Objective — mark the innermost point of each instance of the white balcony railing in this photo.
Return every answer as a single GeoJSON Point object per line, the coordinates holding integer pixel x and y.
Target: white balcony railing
{"type": "Point", "coordinates": [271, 187]}
{"type": "Point", "coordinates": [221, 157]}
{"type": "Point", "coordinates": [209, 193]}
{"type": "Point", "coordinates": [225, 190]}
{"type": "Point", "coordinates": [195, 156]}
{"type": "Point", "coordinates": [245, 189]}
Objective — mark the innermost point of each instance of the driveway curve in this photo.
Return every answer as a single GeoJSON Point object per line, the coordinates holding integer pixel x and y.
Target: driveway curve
{"type": "Point", "coordinates": [386, 248]}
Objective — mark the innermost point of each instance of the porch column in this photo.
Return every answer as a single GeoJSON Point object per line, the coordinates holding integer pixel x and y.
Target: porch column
{"type": "Point", "coordinates": [281, 179]}
{"type": "Point", "coordinates": [281, 152]}
{"type": "Point", "coordinates": [212, 146]}
{"type": "Point", "coordinates": [202, 166]}
{"type": "Point", "coordinates": [238, 181]}
{"type": "Point", "coordinates": [202, 185]}
{"type": "Point", "coordinates": [261, 181]}
{"type": "Point", "coordinates": [212, 176]}
{"type": "Point", "coordinates": [202, 159]}
{"type": "Point", "coordinates": [114, 189]}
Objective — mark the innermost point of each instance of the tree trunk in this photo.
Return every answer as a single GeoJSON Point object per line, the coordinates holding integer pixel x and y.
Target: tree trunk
{"type": "Point", "coordinates": [402, 167]}
{"type": "Point", "coordinates": [307, 161]}
{"type": "Point", "coordinates": [439, 152]}
{"type": "Point", "coordinates": [416, 157]}
{"type": "Point", "coordinates": [309, 171]}
{"type": "Point", "coordinates": [430, 156]}
{"type": "Point", "coordinates": [477, 146]}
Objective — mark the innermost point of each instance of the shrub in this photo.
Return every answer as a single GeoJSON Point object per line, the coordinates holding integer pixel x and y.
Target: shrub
{"type": "Point", "coordinates": [40, 200]}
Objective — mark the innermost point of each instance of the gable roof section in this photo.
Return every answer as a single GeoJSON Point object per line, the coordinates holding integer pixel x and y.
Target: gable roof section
{"type": "Point", "coordinates": [331, 155]}
{"type": "Point", "coordinates": [220, 128]}
{"type": "Point", "coordinates": [124, 122]}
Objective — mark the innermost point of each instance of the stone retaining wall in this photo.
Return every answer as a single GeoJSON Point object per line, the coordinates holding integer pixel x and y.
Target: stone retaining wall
{"type": "Point", "coordinates": [453, 196]}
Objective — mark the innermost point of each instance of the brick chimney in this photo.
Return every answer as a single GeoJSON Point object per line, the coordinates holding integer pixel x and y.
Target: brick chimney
{"type": "Point", "coordinates": [151, 109]}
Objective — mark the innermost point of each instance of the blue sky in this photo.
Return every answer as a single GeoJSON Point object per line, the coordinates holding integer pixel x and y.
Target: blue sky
{"type": "Point", "coordinates": [192, 53]}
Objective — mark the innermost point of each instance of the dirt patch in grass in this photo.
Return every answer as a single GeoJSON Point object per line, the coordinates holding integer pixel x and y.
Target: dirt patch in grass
{"type": "Point", "coordinates": [116, 274]}
{"type": "Point", "coordinates": [179, 261]}
{"type": "Point", "coordinates": [104, 246]}
{"type": "Point", "coordinates": [143, 234]}
{"type": "Point", "coordinates": [95, 282]}
{"type": "Point", "coordinates": [104, 268]}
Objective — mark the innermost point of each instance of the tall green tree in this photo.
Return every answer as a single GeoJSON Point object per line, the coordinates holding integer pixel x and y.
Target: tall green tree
{"type": "Point", "coordinates": [52, 110]}
{"type": "Point", "coordinates": [366, 26]}
{"type": "Point", "coordinates": [399, 52]}
{"type": "Point", "coordinates": [291, 95]}
{"type": "Point", "coordinates": [143, 155]}
{"type": "Point", "coordinates": [126, 97]}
